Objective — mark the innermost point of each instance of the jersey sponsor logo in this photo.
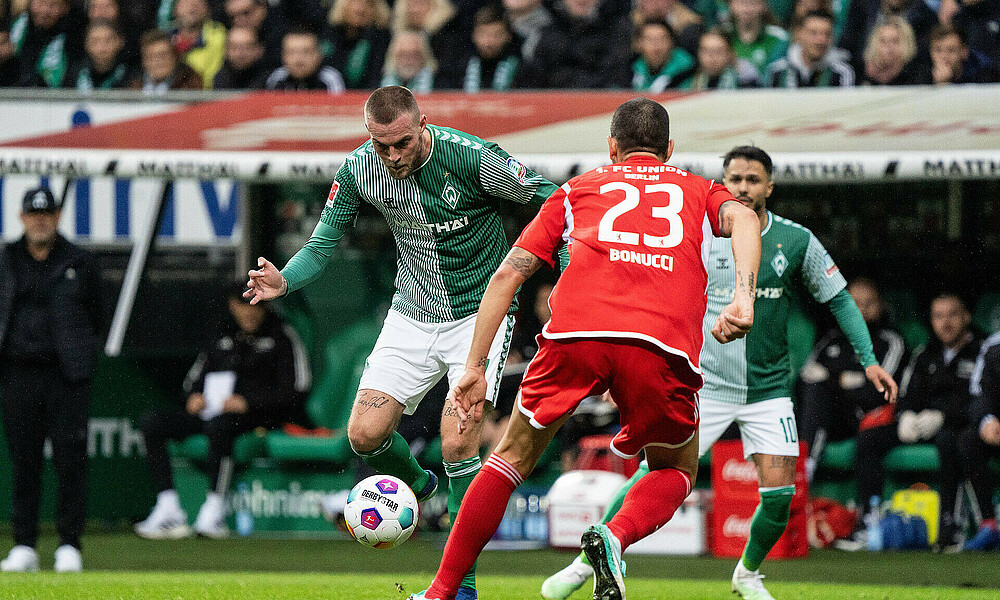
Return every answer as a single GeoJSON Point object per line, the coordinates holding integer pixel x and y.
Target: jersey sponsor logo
{"type": "Point", "coordinates": [656, 261]}
{"type": "Point", "coordinates": [519, 170]}
{"type": "Point", "coordinates": [450, 194]}
{"type": "Point", "coordinates": [333, 194]}
{"type": "Point", "coordinates": [432, 227]}
{"type": "Point", "coordinates": [726, 293]}
{"type": "Point", "coordinates": [779, 263]}
{"type": "Point", "coordinates": [770, 293]}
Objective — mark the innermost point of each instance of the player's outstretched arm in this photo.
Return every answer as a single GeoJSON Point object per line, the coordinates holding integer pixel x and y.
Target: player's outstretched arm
{"type": "Point", "coordinates": [468, 395]}
{"type": "Point", "coordinates": [743, 227]}
{"type": "Point", "coordinates": [266, 282]}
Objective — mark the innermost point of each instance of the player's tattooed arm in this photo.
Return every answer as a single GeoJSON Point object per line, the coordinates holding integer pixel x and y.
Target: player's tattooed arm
{"type": "Point", "coordinates": [746, 282]}
{"type": "Point", "coordinates": [726, 219]}
{"type": "Point", "coordinates": [522, 261]}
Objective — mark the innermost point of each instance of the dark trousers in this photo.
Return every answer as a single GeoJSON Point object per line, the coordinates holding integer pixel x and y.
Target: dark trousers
{"type": "Point", "coordinates": [821, 408]}
{"type": "Point", "coordinates": [975, 456]}
{"type": "Point", "coordinates": [875, 443]}
{"type": "Point", "coordinates": [222, 431]}
{"type": "Point", "coordinates": [39, 402]}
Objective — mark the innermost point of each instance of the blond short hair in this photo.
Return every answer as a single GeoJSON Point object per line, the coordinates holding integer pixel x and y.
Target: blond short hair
{"type": "Point", "coordinates": [379, 7]}
{"type": "Point", "coordinates": [442, 11]}
{"type": "Point", "coordinates": [905, 32]}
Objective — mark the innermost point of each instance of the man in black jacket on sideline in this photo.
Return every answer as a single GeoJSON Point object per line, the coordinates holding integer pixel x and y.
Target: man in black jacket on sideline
{"type": "Point", "coordinates": [49, 312]}
{"type": "Point", "coordinates": [254, 375]}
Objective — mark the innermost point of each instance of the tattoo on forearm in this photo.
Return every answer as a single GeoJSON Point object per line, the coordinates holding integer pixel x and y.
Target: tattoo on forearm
{"type": "Point", "coordinates": [523, 262]}
{"type": "Point", "coordinates": [366, 403]}
{"type": "Point", "coordinates": [751, 283]}
{"type": "Point", "coordinates": [483, 361]}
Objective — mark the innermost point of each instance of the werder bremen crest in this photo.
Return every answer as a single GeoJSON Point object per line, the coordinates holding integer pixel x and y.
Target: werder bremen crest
{"type": "Point", "coordinates": [780, 263]}
{"type": "Point", "coordinates": [450, 194]}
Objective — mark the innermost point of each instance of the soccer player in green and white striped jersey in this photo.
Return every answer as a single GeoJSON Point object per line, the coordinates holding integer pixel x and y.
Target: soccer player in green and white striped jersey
{"type": "Point", "coordinates": [439, 189]}
{"type": "Point", "coordinates": [749, 381]}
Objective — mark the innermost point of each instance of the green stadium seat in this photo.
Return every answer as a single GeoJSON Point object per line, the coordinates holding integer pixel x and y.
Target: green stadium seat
{"type": "Point", "coordinates": [290, 448]}
{"type": "Point", "coordinates": [912, 458]}
{"type": "Point", "coordinates": [247, 447]}
{"type": "Point", "coordinates": [987, 314]}
{"type": "Point", "coordinates": [839, 455]}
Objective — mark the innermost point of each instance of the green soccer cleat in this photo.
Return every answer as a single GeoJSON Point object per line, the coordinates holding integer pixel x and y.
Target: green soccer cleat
{"type": "Point", "coordinates": [747, 584]}
{"type": "Point", "coordinates": [604, 553]}
{"type": "Point", "coordinates": [562, 585]}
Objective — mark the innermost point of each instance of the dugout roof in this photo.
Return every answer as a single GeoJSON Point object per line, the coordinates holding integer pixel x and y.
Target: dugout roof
{"type": "Point", "coordinates": [814, 135]}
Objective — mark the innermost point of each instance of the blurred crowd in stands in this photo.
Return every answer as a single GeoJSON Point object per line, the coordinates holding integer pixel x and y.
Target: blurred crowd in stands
{"type": "Point", "coordinates": [474, 45]}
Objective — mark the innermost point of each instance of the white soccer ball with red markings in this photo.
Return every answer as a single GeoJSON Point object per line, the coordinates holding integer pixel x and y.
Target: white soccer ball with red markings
{"type": "Point", "coordinates": [381, 512]}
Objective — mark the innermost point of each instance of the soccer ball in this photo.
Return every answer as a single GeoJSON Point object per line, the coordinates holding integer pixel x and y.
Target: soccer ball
{"type": "Point", "coordinates": [381, 512]}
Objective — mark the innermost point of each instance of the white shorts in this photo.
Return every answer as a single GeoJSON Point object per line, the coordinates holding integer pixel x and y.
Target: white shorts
{"type": "Point", "coordinates": [410, 357]}
{"type": "Point", "coordinates": [766, 427]}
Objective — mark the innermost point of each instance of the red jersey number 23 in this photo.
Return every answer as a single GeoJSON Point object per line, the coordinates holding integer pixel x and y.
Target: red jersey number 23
{"type": "Point", "coordinates": [606, 231]}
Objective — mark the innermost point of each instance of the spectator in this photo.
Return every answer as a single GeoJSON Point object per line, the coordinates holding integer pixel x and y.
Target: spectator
{"type": "Point", "coordinates": [527, 19]}
{"type": "Point", "coordinates": [302, 66]}
{"type": "Point", "coordinates": [10, 69]}
{"type": "Point", "coordinates": [719, 67]}
{"type": "Point", "coordinates": [980, 442]}
{"type": "Point", "coordinates": [410, 62]}
{"type": "Point", "coordinates": [582, 50]}
{"type": "Point", "coordinates": [495, 61]}
{"type": "Point", "coordinates": [800, 8]}
{"type": "Point", "coordinates": [199, 40]}
{"type": "Point", "coordinates": [889, 54]}
{"type": "Point", "coordinates": [128, 30]}
{"type": "Point", "coordinates": [103, 67]}
{"type": "Point", "coordinates": [256, 374]}
{"type": "Point", "coordinates": [449, 42]}
{"type": "Point", "coordinates": [266, 20]}
{"type": "Point", "coordinates": [46, 38]}
{"type": "Point", "coordinates": [49, 311]}
{"type": "Point", "coordinates": [980, 20]}
{"type": "Point", "coordinates": [953, 62]}
{"type": "Point", "coordinates": [660, 64]}
{"type": "Point", "coordinates": [862, 17]}
{"type": "Point", "coordinates": [162, 69]}
{"type": "Point", "coordinates": [755, 37]}
{"type": "Point", "coordinates": [833, 392]}
{"type": "Point", "coordinates": [685, 23]}
{"type": "Point", "coordinates": [812, 61]}
{"type": "Point", "coordinates": [933, 408]}
{"type": "Point", "coordinates": [359, 35]}
{"type": "Point", "coordinates": [244, 68]}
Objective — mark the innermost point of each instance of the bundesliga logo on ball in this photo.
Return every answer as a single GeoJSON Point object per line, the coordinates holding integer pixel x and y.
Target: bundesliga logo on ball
{"type": "Point", "coordinates": [381, 512]}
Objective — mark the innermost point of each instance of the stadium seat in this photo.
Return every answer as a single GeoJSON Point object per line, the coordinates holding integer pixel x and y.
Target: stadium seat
{"type": "Point", "coordinates": [913, 458]}
{"type": "Point", "coordinates": [247, 447]}
{"type": "Point", "coordinates": [335, 450]}
{"type": "Point", "coordinates": [987, 313]}
{"type": "Point", "coordinates": [839, 455]}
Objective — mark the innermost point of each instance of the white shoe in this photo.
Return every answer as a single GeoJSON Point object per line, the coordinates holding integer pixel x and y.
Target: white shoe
{"type": "Point", "coordinates": [332, 505]}
{"type": "Point", "coordinates": [747, 584]}
{"type": "Point", "coordinates": [562, 585]}
{"type": "Point", "coordinates": [68, 559]}
{"type": "Point", "coordinates": [22, 559]}
{"type": "Point", "coordinates": [211, 520]}
{"type": "Point", "coordinates": [164, 523]}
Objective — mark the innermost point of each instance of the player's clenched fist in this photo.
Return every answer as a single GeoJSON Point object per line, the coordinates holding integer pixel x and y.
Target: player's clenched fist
{"type": "Point", "coordinates": [266, 282]}
{"type": "Point", "coordinates": [734, 322]}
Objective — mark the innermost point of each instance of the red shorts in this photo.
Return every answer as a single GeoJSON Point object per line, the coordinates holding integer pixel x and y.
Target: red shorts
{"type": "Point", "coordinates": [656, 393]}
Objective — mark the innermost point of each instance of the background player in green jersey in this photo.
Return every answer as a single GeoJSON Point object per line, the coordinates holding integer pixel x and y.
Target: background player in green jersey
{"type": "Point", "coordinates": [439, 190]}
{"type": "Point", "coordinates": [749, 381]}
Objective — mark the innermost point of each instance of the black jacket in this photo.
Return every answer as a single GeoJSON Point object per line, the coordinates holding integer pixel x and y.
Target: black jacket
{"type": "Point", "coordinates": [74, 304]}
{"type": "Point", "coordinates": [985, 384]}
{"type": "Point", "coordinates": [231, 78]}
{"type": "Point", "coordinates": [834, 367]}
{"type": "Point", "coordinates": [271, 366]}
{"type": "Point", "coordinates": [930, 383]}
{"type": "Point", "coordinates": [582, 54]}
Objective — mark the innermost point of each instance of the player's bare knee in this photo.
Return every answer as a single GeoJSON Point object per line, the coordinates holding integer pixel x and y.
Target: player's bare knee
{"type": "Point", "coordinates": [455, 447]}
{"type": "Point", "coordinates": [365, 437]}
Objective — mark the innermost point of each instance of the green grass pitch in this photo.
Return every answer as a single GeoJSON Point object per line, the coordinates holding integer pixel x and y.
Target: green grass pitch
{"type": "Point", "coordinates": [123, 567]}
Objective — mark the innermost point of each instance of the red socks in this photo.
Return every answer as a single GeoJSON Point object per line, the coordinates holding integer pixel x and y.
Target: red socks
{"type": "Point", "coordinates": [648, 506]}
{"type": "Point", "coordinates": [478, 518]}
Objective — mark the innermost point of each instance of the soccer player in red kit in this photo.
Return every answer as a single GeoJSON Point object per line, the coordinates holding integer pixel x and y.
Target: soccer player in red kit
{"type": "Point", "coordinates": [626, 316]}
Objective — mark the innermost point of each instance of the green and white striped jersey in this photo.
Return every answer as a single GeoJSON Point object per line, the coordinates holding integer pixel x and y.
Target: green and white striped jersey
{"type": "Point", "coordinates": [756, 367]}
{"type": "Point", "coordinates": [449, 235]}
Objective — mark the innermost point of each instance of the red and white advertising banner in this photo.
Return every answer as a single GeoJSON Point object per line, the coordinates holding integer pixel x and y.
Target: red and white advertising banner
{"type": "Point", "coordinates": [813, 135]}
{"type": "Point", "coordinates": [736, 496]}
